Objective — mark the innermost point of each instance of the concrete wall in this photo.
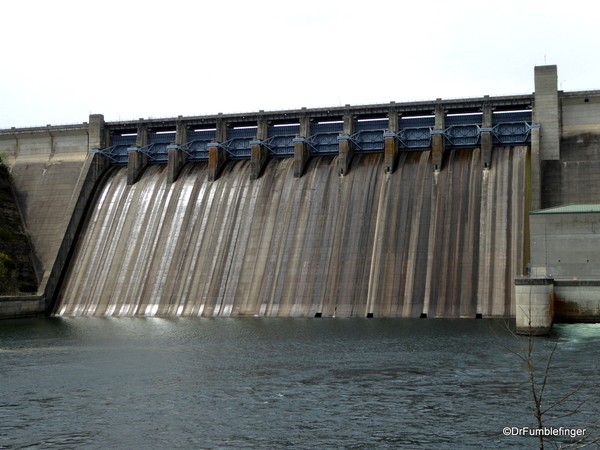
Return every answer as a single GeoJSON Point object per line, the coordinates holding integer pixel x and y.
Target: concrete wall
{"type": "Point", "coordinates": [572, 177]}
{"type": "Point", "coordinates": [22, 306]}
{"type": "Point", "coordinates": [45, 166]}
{"type": "Point", "coordinates": [564, 249]}
{"type": "Point", "coordinates": [565, 245]}
{"type": "Point", "coordinates": [53, 176]}
{"type": "Point", "coordinates": [577, 300]}
{"type": "Point", "coordinates": [580, 113]}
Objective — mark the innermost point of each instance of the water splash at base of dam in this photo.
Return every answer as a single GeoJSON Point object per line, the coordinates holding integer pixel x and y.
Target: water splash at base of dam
{"type": "Point", "coordinates": [446, 244]}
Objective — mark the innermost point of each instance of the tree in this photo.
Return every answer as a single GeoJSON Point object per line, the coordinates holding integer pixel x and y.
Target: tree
{"type": "Point", "coordinates": [545, 409]}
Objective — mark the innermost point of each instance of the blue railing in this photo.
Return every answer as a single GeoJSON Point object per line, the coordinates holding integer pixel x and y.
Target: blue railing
{"type": "Point", "coordinates": [462, 131]}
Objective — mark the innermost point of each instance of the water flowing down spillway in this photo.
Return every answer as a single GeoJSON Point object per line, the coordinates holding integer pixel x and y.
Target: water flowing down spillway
{"type": "Point", "coordinates": [447, 244]}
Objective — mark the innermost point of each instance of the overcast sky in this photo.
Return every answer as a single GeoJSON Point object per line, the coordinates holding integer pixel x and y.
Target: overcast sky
{"type": "Point", "coordinates": [62, 60]}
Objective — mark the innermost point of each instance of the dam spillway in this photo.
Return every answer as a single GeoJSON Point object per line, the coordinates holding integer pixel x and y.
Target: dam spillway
{"type": "Point", "coordinates": [402, 244]}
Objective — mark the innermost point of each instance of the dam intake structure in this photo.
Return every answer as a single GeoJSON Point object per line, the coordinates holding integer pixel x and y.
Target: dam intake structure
{"type": "Point", "coordinates": [417, 209]}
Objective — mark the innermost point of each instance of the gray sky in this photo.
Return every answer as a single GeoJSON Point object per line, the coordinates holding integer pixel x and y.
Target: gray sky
{"type": "Point", "coordinates": [63, 59]}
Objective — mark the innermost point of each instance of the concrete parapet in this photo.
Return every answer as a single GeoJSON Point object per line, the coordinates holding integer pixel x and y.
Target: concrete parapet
{"type": "Point", "coordinates": [43, 141]}
{"type": "Point", "coordinates": [534, 305]}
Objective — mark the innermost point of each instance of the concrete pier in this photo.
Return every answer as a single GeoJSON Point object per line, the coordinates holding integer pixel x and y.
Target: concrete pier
{"type": "Point", "coordinates": [487, 139]}
{"type": "Point", "coordinates": [259, 152]}
{"type": "Point", "coordinates": [217, 156]}
{"type": "Point", "coordinates": [301, 147]}
{"type": "Point", "coordinates": [177, 157]}
{"type": "Point", "coordinates": [438, 143]}
{"type": "Point", "coordinates": [137, 159]}
{"type": "Point", "coordinates": [346, 146]}
{"type": "Point", "coordinates": [391, 144]}
{"type": "Point", "coordinates": [534, 305]}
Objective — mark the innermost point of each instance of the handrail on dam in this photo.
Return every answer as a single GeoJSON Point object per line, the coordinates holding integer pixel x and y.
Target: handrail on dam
{"type": "Point", "coordinates": [364, 141]}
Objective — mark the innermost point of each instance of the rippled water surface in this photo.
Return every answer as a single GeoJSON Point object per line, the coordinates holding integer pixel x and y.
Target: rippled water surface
{"type": "Point", "coordinates": [150, 383]}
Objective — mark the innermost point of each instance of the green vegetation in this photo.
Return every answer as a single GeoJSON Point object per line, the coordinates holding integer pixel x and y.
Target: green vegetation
{"type": "Point", "coordinates": [16, 270]}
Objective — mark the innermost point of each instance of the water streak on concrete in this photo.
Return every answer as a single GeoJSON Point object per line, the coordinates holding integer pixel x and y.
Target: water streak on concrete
{"type": "Point", "coordinates": [447, 244]}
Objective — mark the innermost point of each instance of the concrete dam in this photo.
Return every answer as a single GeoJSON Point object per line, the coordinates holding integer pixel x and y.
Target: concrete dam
{"type": "Point", "coordinates": [397, 210]}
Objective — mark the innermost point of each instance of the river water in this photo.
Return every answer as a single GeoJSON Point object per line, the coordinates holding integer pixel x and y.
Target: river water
{"type": "Point", "coordinates": [236, 383]}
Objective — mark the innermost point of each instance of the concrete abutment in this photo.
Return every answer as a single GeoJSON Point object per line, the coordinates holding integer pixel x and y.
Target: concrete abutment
{"type": "Point", "coordinates": [53, 190]}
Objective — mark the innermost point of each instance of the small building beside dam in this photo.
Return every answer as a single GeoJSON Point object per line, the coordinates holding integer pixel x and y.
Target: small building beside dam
{"type": "Point", "coordinates": [421, 209]}
{"type": "Point", "coordinates": [564, 269]}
